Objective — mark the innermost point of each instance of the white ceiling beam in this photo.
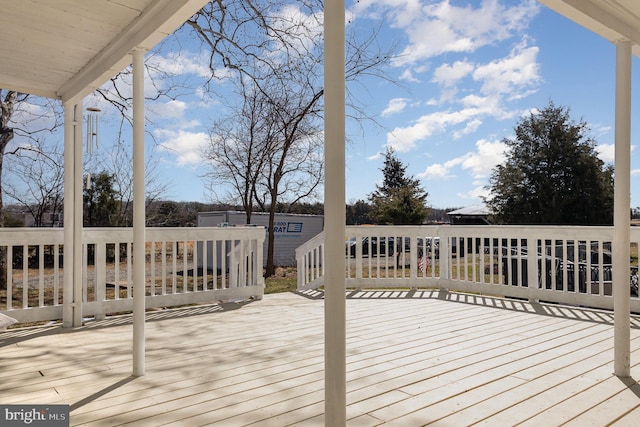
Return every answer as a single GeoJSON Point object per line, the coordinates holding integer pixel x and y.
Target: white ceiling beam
{"type": "Point", "coordinates": [607, 18]}
{"type": "Point", "coordinates": [156, 22]}
{"type": "Point", "coordinates": [618, 21]}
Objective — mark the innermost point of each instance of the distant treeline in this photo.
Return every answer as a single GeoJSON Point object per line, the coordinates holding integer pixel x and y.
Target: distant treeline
{"type": "Point", "coordinates": [184, 214]}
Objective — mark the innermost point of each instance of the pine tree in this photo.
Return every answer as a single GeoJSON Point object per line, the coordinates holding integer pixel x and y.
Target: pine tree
{"type": "Point", "coordinates": [552, 174]}
{"type": "Point", "coordinates": [100, 204]}
{"type": "Point", "coordinates": [400, 199]}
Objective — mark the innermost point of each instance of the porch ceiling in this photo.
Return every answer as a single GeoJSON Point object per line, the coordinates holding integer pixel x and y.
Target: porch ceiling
{"type": "Point", "coordinates": [65, 49]}
{"type": "Point", "coordinates": [612, 19]}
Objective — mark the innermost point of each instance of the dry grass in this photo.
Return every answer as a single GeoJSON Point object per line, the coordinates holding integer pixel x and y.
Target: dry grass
{"type": "Point", "coordinates": [285, 280]}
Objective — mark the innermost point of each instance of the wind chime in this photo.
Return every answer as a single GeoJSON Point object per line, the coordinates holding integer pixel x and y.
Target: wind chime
{"type": "Point", "coordinates": [92, 137]}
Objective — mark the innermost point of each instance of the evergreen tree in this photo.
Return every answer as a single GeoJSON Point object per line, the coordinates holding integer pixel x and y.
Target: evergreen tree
{"type": "Point", "coordinates": [101, 207]}
{"type": "Point", "coordinates": [358, 213]}
{"type": "Point", "coordinates": [552, 174]}
{"type": "Point", "coordinates": [400, 199]}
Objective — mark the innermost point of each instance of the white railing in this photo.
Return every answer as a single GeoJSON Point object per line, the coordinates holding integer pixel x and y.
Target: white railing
{"type": "Point", "coordinates": [568, 265]}
{"type": "Point", "coordinates": [310, 265]}
{"type": "Point", "coordinates": [183, 266]}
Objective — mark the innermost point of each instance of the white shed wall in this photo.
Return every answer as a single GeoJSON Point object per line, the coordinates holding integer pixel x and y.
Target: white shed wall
{"type": "Point", "coordinates": [291, 231]}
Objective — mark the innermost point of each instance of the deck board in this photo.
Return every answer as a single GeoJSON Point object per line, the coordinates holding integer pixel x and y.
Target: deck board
{"type": "Point", "coordinates": [413, 358]}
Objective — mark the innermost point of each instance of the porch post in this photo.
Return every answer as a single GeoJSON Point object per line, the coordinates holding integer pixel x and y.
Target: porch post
{"type": "Point", "coordinates": [622, 205]}
{"type": "Point", "coordinates": [72, 282]}
{"type": "Point", "coordinates": [139, 287]}
{"type": "Point", "coordinates": [77, 216]}
{"type": "Point", "coordinates": [335, 394]}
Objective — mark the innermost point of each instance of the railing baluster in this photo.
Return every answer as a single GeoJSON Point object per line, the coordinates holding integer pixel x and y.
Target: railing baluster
{"type": "Point", "coordinates": [174, 265]}
{"type": "Point", "coordinates": [99, 290]}
{"type": "Point", "coordinates": [214, 263]}
{"type": "Point", "coordinates": [152, 269]}
{"type": "Point", "coordinates": [565, 266]}
{"type": "Point", "coordinates": [25, 276]}
{"type": "Point", "coordinates": [576, 265]}
{"type": "Point", "coordinates": [471, 242]}
{"type": "Point", "coordinates": [10, 283]}
{"type": "Point", "coordinates": [56, 274]}
{"type": "Point", "coordinates": [163, 264]}
{"type": "Point", "coordinates": [41, 275]}
{"type": "Point", "coordinates": [185, 271]}
{"type": "Point", "coordinates": [223, 265]}
{"type": "Point", "coordinates": [116, 270]}
{"type": "Point", "coordinates": [600, 269]}
{"type": "Point", "coordinates": [129, 256]}
{"type": "Point", "coordinates": [85, 278]}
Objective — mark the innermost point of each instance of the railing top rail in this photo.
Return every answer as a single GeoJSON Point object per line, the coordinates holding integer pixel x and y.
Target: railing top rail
{"type": "Point", "coordinates": [312, 243]}
{"type": "Point", "coordinates": [506, 231]}
{"type": "Point", "coordinates": [213, 233]}
{"type": "Point", "coordinates": [111, 234]}
{"type": "Point", "coordinates": [32, 236]}
{"type": "Point", "coordinates": [48, 236]}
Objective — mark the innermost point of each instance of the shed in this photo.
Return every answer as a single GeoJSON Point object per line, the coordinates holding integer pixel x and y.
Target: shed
{"type": "Point", "coordinates": [290, 230]}
{"type": "Point", "coordinates": [471, 215]}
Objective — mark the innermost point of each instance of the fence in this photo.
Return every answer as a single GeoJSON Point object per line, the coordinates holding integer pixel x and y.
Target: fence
{"type": "Point", "coordinates": [569, 265]}
{"type": "Point", "coordinates": [35, 275]}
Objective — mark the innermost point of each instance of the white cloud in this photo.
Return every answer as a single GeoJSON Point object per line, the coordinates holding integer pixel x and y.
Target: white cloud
{"type": "Point", "coordinates": [509, 75]}
{"type": "Point", "coordinates": [407, 76]}
{"type": "Point", "coordinates": [186, 146]}
{"type": "Point", "coordinates": [477, 193]}
{"type": "Point", "coordinates": [171, 109]}
{"type": "Point", "coordinates": [448, 75]}
{"type": "Point", "coordinates": [396, 105]}
{"type": "Point", "coordinates": [435, 28]}
{"type": "Point", "coordinates": [470, 127]}
{"type": "Point", "coordinates": [607, 152]}
{"type": "Point", "coordinates": [488, 154]}
{"type": "Point", "coordinates": [479, 163]}
{"type": "Point", "coordinates": [600, 129]}
{"type": "Point", "coordinates": [172, 113]}
{"type": "Point", "coordinates": [376, 156]}
{"type": "Point", "coordinates": [180, 63]}
{"type": "Point", "coordinates": [34, 113]}
{"type": "Point", "coordinates": [436, 171]}
{"type": "Point", "coordinates": [476, 101]}
{"type": "Point", "coordinates": [501, 80]}
{"type": "Point", "coordinates": [303, 30]}
{"type": "Point", "coordinates": [404, 139]}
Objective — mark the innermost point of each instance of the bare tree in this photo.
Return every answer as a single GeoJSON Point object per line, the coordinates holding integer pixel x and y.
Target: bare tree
{"type": "Point", "coordinates": [275, 48]}
{"type": "Point", "coordinates": [8, 101]}
{"type": "Point", "coordinates": [35, 181]}
{"type": "Point", "coordinates": [26, 117]}
{"type": "Point", "coordinates": [116, 160]}
{"type": "Point", "coordinates": [161, 84]}
{"type": "Point", "coordinates": [294, 167]}
{"type": "Point", "coordinates": [239, 149]}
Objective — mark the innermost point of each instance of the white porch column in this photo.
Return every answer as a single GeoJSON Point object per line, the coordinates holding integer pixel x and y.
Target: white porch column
{"type": "Point", "coordinates": [72, 264]}
{"type": "Point", "coordinates": [77, 217]}
{"type": "Point", "coordinates": [139, 287]}
{"type": "Point", "coordinates": [622, 205]}
{"type": "Point", "coordinates": [335, 393]}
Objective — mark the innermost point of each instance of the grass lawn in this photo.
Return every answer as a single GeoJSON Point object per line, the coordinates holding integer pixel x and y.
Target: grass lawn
{"type": "Point", "coordinates": [285, 280]}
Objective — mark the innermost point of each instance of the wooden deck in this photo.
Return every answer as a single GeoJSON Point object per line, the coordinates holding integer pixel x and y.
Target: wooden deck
{"type": "Point", "coordinates": [414, 358]}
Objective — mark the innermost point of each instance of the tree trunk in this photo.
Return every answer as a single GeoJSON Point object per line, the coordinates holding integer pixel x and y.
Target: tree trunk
{"type": "Point", "coordinates": [270, 270]}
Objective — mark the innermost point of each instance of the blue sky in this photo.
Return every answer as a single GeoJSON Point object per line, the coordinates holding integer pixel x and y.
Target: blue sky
{"type": "Point", "coordinates": [468, 70]}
